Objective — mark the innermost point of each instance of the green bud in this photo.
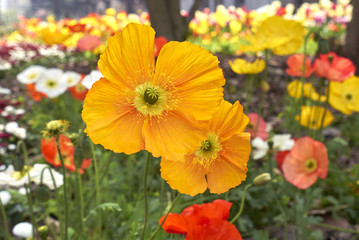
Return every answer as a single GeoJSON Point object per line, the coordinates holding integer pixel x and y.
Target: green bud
{"type": "Point", "coordinates": [78, 157]}
{"type": "Point", "coordinates": [42, 193]}
{"type": "Point", "coordinates": [86, 148]}
{"type": "Point", "coordinates": [262, 179]}
{"type": "Point", "coordinates": [43, 232]}
{"type": "Point", "coordinates": [18, 163]}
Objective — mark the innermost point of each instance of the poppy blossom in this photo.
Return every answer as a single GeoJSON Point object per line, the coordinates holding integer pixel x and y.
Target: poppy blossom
{"type": "Point", "coordinates": [141, 104]}
{"type": "Point", "coordinates": [159, 43]}
{"type": "Point", "coordinates": [333, 67]}
{"type": "Point", "coordinates": [295, 66]}
{"type": "Point", "coordinates": [35, 95]}
{"type": "Point", "coordinates": [307, 161]}
{"type": "Point", "coordinates": [261, 132]}
{"type": "Point", "coordinates": [51, 155]}
{"type": "Point", "coordinates": [79, 91]}
{"type": "Point", "coordinates": [88, 43]}
{"type": "Point", "coordinates": [78, 27]}
{"type": "Point", "coordinates": [208, 221]}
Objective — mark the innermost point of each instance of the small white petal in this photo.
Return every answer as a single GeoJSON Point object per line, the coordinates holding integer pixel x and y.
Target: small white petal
{"type": "Point", "coordinates": [22, 230]}
{"type": "Point", "coordinates": [5, 197]}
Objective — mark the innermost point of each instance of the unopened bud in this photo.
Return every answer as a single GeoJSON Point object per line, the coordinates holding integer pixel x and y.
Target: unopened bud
{"type": "Point", "coordinates": [43, 232]}
{"type": "Point", "coordinates": [42, 193]}
{"type": "Point", "coordinates": [18, 163]}
{"type": "Point", "coordinates": [55, 127]}
{"type": "Point", "coordinates": [74, 137]}
{"type": "Point", "coordinates": [86, 148]}
{"type": "Point", "coordinates": [265, 86]}
{"type": "Point", "coordinates": [78, 157]}
{"type": "Point", "coordinates": [262, 179]}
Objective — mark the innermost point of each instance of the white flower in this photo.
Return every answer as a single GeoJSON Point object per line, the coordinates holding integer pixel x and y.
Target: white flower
{"type": "Point", "coordinates": [11, 127]}
{"type": "Point", "coordinates": [72, 78]}
{"type": "Point", "coordinates": [19, 111]}
{"type": "Point", "coordinates": [11, 178]}
{"type": "Point", "coordinates": [91, 78]}
{"type": "Point", "coordinates": [282, 142]}
{"type": "Point", "coordinates": [22, 230]}
{"type": "Point", "coordinates": [20, 133]}
{"type": "Point", "coordinates": [5, 197]}
{"type": "Point", "coordinates": [4, 91]}
{"type": "Point", "coordinates": [31, 74]}
{"type": "Point", "coordinates": [9, 109]}
{"type": "Point", "coordinates": [35, 175]}
{"type": "Point", "coordinates": [4, 65]}
{"type": "Point", "coordinates": [11, 147]}
{"type": "Point", "coordinates": [2, 127]}
{"type": "Point", "coordinates": [22, 191]}
{"type": "Point", "coordinates": [260, 148]}
{"type": "Point", "coordinates": [52, 83]}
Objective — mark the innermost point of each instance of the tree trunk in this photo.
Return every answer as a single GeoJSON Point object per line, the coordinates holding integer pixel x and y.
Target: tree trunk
{"type": "Point", "coordinates": [166, 18]}
{"type": "Point", "coordinates": [351, 46]}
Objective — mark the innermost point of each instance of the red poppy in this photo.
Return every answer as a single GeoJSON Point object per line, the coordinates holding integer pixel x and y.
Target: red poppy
{"type": "Point", "coordinates": [333, 67]}
{"type": "Point", "coordinates": [35, 95]}
{"type": "Point", "coordinates": [281, 11]}
{"type": "Point", "coordinates": [78, 27]}
{"type": "Point", "coordinates": [203, 222]}
{"type": "Point", "coordinates": [307, 161]}
{"type": "Point", "coordinates": [88, 43]}
{"type": "Point", "coordinates": [279, 157]}
{"type": "Point", "coordinates": [251, 127]}
{"type": "Point", "coordinates": [50, 153]}
{"type": "Point", "coordinates": [79, 91]}
{"type": "Point", "coordinates": [295, 66]}
{"type": "Point", "coordinates": [159, 43]}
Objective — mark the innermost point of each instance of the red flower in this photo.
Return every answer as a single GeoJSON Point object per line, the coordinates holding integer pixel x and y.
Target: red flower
{"type": "Point", "coordinates": [203, 222]}
{"type": "Point", "coordinates": [79, 91]}
{"type": "Point", "coordinates": [333, 67]}
{"type": "Point", "coordinates": [295, 64]}
{"type": "Point", "coordinates": [78, 27]}
{"type": "Point", "coordinates": [279, 157]}
{"type": "Point", "coordinates": [251, 127]}
{"type": "Point", "coordinates": [159, 43]}
{"type": "Point", "coordinates": [307, 161]}
{"type": "Point", "coordinates": [50, 153]}
{"type": "Point", "coordinates": [88, 43]}
{"type": "Point", "coordinates": [35, 95]}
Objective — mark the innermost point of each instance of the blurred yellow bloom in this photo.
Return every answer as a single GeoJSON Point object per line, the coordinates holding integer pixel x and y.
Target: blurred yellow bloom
{"type": "Point", "coordinates": [110, 11]}
{"type": "Point", "coordinates": [235, 26]}
{"type": "Point", "coordinates": [241, 66]}
{"type": "Point", "coordinates": [311, 117]}
{"type": "Point", "coordinates": [294, 89]}
{"type": "Point", "coordinates": [51, 38]}
{"type": "Point", "coordinates": [344, 96]}
{"type": "Point", "coordinates": [221, 15]}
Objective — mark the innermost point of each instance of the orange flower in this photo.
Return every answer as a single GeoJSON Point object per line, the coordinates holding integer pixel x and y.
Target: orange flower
{"type": "Point", "coordinates": [79, 91]}
{"type": "Point", "coordinates": [159, 43]}
{"type": "Point", "coordinates": [140, 106]}
{"type": "Point", "coordinates": [35, 95]}
{"type": "Point", "coordinates": [333, 67]}
{"type": "Point", "coordinates": [88, 43]}
{"type": "Point", "coordinates": [223, 156]}
{"type": "Point", "coordinates": [208, 221]}
{"type": "Point", "coordinates": [295, 64]}
{"type": "Point", "coordinates": [78, 27]}
{"type": "Point", "coordinates": [51, 155]}
{"type": "Point", "coordinates": [307, 161]}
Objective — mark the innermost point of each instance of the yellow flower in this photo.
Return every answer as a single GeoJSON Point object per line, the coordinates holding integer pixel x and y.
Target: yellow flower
{"type": "Point", "coordinates": [344, 96]}
{"type": "Point", "coordinates": [241, 66]}
{"type": "Point", "coordinates": [283, 36]}
{"type": "Point", "coordinates": [218, 163]}
{"type": "Point", "coordinates": [235, 27]}
{"type": "Point", "coordinates": [142, 106]}
{"type": "Point", "coordinates": [110, 11]}
{"type": "Point", "coordinates": [53, 37]}
{"type": "Point", "coordinates": [311, 117]}
{"type": "Point", "coordinates": [294, 89]}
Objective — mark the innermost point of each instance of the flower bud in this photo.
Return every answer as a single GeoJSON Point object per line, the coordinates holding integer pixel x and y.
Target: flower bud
{"type": "Point", "coordinates": [78, 157]}
{"type": "Point", "coordinates": [262, 179]}
{"type": "Point", "coordinates": [43, 232]}
{"type": "Point", "coordinates": [55, 127]}
{"type": "Point", "coordinates": [86, 148]}
{"type": "Point", "coordinates": [42, 193]}
{"type": "Point", "coordinates": [18, 163]}
{"type": "Point", "coordinates": [265, 86]}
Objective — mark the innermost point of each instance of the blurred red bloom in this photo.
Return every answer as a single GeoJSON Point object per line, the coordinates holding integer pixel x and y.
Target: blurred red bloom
{"type": "Point", "coordinates": [159, 43]}
{"type": "Point", "coordinates": [295, 66]}
{"type": "Point", "coordinates": [251, 127]}
{"type": "Point", "coordinates": [208, 221]}
{"type": "Point", "coordinates": [35, 95]}
{"type": "Point", "coordinates": [307, 161]}
{"type": "Point", "coordinates": [79, 91]}
{"type": "Point", "coordinates": [333, 67]}
{"type": "Point", "coordinates": [78, 27]}
{"type": "Point", "coordinates": [50, 153]}
{"type": "Point", "coordinates": [88, 43]}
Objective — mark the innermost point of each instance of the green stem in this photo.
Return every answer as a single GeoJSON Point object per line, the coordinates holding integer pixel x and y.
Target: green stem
{"type": "Point", "coordinates": [6, 226]}
{"type": "Point", "coordinates": [248, 90]}
{"type": "Point", "coordinates": [27, 186]}
{"type": "Point", "coordinates": [328, 226]}
{"type": "Point", "coordinates": [242, 204]}
{"type": "Point", "coordinates": [98, 194]}
{"type": "Point", "coordinates": [78, 177]}
{"type": "Point", "coordinates": [325, 107]}
{"type": "Point", "coordinates": [65, 189]}
{"type": "Point", "coordinates": [163, 221]}
{"type": "Point", "coordinates": [148, 161]}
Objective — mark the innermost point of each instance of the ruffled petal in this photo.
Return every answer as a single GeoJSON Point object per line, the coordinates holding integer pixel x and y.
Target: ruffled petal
{"type": "Point", "coordinates": [111, 120]}
{"type": "Point", "coordinates": [184, 176]}
{"type": "Point", "coordinates": [195, 75]}
{"type": "Point", "coordinates": [175, 223]}
{"type": "Point", "coordinates": [130, 56]}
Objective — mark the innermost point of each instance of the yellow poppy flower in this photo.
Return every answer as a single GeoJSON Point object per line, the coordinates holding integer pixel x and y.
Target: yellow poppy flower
{"type": "Point", "coordinates": [220, 162]}
{"type": "Point", "coordinates": [344, 96]}
{"type": "Point", "coordinates": [142, 106]}
{"type": "Point", "coordinates": [294, 89]}
{"type": "Point", "coordinates": [241, 66]}
{"type": "Point", "coordinates": [51, 38]}
{"type": "Point", "coordinates": [311, 117]}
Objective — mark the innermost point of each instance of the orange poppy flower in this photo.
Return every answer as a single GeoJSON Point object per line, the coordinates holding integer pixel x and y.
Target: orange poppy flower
{"type": "Point", "coordinates": [295, 64]}
{"type": "Point", "coordinates": [78, 27]}
{"type": "Point", "coordinates": [223, 155]}
{"type": "Point", "coordinates": [307, 161]}
{"type": "Point", "coordinates": [35, 95]}
{"type": "Point", "coordinates": [208, 221]}
{"type": "Point", "coordinates": [333, 67]}
{"type": "Point", "coordinates": [142, 106]}
{"type": "Point", "coordinates": [51, 155]}
{"type": "Point", "coordinates": [159, 43]}
{"type": "Point", "coordinates": [79, 91]}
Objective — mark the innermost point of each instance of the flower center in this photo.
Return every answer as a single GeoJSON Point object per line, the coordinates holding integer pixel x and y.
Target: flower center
{"type": "Point", "coordinates": [51, 83]}
{"type": "Point", "coordinates": [311, 165]}
{"type": "Point", "coordinates": [150, 100]}
{"type": "Point", "coordinates": [32, 76]}
{"type": "Point", "coordinates": [208, 152]}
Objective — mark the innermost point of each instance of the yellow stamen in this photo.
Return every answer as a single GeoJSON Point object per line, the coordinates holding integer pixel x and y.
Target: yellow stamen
{"type": "Point", "coordinates": [208, 152]}
{"type": "Point", "coordinates": [311, 165]}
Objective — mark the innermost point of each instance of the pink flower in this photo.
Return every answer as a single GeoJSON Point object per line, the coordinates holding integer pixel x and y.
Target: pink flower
{"type": "Point", "coordinates": [251, 127]}
{"type": "Point", "coordinates": [88, 43]}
